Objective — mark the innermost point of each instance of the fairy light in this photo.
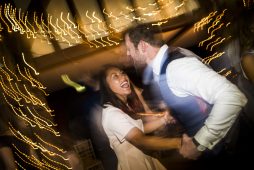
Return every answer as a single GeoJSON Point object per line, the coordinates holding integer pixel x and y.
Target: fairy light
{"type": "Point", "coordinates": [54, 27]}
{"type": "Point", "coordinates": [36, 101]}
{"type": "Point", "coordinates": [27, 29]}
{"type": "Point", "coordinates": [91, 28]}
{"type": "Point", "coordinates": [9, 12]}
{"type": "Point", "coordinates": [85, 41]}
{"type": "Point", "coordinates": [227, 73]}
{"type": "Point", "coordinates": [22, 75]}
{"type": "Point", "coordinates": [32, 160]}
{"type": "Point", "coordinates": [24, 117]}
{"type": "Point", "coordinates": [140, 8]}
{"type": "Point", "coordinates": [64, 22]}
{"type": "Point", "coordinates": [49, 122]}
{"type": "Point", "coordinates": [113, 28]}
{"type": "Point", "coordinates": [79, 37]}
{"type": "Point", "coordinates": [130, 9]}
{"type": "Point", "coordinates": [6, 9]}
{"type": "Point", "coordinates": [207, 60]}
{"type": "Point", "coordinates": [219, 72]}
{"type": "Point", "coordinates": [107, 14]}
{"type": "Point", "coordinates": [35, 72]}
{"type": "Point", "coordinates": [49, 144]}
{"type": "Point", "coordinates": [99, 20]}
{"type": "Point", "coordinates": [34, 165]}
{"type": "Point", "coordinates": [46, 29]}
{"type": "Point", "coordinates": [204, 21]}
{"type": "Point", "coordinates": [110, 15]}
{"type": "Point", "coordinates": [62, 32]}
{"type": "Point", "coordinates": [202, 42]}
{"type": "Point", "coordinates": [68, 29]}
{"type": "Point", "coordinates": [89, 40]}
{"type": "Point", "coordinates": [37, 119]}
{"type": "Point", "coordinates": [159, 23]}
{"type": "Point", "coordinates": [212, 42]}
{"type": "Point", "coordinates": [223, 39]}
{"type": "Point", "coordinates": [30, 121]}
{"type": "Point", "coordinates": [8, 28]}
{"type": "Point", "coordinates": [179, 6]}
{"type": "Point", "coordinates": [42, 32]}
{"type": "Point", "coordinates": [19, 165]}
{"type": "Point", "coordinates": [59, 163]}
{"type": "Point", "coordinates": [116, 43]}
{"type": "Point", "coordinates": [27, 99]}
{"type": "Point", "coordinates": [21, 28]}
{"type": "Point", "coordinates": [7, 91]}
{"type": "Point", "coordinates": [22, 31]}
{"type": "Point", "coordinates": [28, 23]}
{"type": "Point", "coordinates": [6, 74]}
{"type": "Point", "coordinates": [98, 41]}
{"type": "Point", "coordinates": [106, 42]}
{"type": "Point", "coordinates": [217, 28]}
{"type": "Point", "coordinates": [12, 14]}
{"type": "Point", "coordinates": [43, 23]}
{"type": "Point", "coordinates": [49, 165]}
{"type": "Point", "coordinates": [14, 91]}
{"type": "Point", "coordinates": [125, 17]}
{"type": "Point", "coordinates": [89, 17]}
{"type": "Point", "coordinates": [40, 86]}
{"type": "Point", "coordinates": [51, 34]}
{"type": "Point", "coordinates": [72, 23]}
{"type": "Point", "coordinates": [99, 28]}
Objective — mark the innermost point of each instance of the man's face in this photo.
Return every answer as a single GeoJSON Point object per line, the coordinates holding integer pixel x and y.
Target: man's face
{"type": "Point", "coordinates": [136, 54]}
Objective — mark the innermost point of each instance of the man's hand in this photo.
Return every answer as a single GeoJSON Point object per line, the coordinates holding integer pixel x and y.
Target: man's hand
{"type": "Point", "coordinates": [189, 149]}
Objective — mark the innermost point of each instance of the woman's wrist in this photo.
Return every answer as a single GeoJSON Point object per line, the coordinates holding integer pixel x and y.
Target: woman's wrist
{"type": "Point", "coordinates": [164, 121]}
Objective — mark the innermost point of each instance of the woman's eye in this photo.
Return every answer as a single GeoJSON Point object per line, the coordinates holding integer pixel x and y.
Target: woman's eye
{"type": "Point", "coordinates": [114, 76]}
{"type": "Point", "coordinates": [123, 73]}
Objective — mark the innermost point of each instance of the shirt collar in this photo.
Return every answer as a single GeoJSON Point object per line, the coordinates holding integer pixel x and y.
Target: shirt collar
{"type": "Point", "coordinates": [156, 62]}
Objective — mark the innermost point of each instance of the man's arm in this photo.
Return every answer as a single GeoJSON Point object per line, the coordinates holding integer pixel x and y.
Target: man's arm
{"type": "Point", "coordinates": [189, 76]}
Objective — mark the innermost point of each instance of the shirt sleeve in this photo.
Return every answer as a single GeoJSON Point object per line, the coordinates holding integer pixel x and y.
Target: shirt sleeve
{"type": "Point", "coordinates": [119, 123]}
{"type": "Point", "coordinates": [189, 76]}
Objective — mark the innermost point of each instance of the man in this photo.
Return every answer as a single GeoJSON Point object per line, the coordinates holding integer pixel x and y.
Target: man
{"type": "Point", "coordinates": [206, 103]}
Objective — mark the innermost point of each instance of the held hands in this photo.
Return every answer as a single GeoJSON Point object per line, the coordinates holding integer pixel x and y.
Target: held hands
{"type": "Point", "coordinates": [167, 117]}
{"type": "Point", "coordinates": [188, 148]}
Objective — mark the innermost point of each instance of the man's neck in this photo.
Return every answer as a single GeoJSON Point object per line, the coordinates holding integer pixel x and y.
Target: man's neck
{"type": "Point", "coordinates": [152, 53]}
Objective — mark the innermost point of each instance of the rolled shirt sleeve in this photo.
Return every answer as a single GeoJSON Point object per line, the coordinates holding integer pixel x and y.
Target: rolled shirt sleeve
{"type": "Point", "coordinates": [189, 76]}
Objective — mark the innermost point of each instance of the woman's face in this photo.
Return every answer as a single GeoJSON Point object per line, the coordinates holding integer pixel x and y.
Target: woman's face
{"type": "Point", "coordinates": [118, 82]}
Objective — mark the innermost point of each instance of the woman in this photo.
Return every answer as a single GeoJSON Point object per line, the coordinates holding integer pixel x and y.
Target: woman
{"type": "Point", "coordinates": [124, 127]}
{"type": "Point", "coordinates": [247, 43]}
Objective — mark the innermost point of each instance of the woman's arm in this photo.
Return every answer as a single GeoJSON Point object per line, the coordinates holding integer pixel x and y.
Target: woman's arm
{"type": "Point", "coordinates": [157, 120]}
{"type": "Point", "coordinates": [138, 139]}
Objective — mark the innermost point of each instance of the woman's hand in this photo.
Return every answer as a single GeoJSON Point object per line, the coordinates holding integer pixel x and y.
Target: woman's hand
{"type": "Point", "coordinates": [168, 118]}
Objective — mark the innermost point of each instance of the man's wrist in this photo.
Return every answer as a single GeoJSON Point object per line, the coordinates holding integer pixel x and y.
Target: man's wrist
{"type": "Point", "coordinates": [200, 147]}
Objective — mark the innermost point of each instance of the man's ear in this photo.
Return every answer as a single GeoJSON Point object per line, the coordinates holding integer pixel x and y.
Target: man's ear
{"type": "Point", "coordinates": [142, 45]}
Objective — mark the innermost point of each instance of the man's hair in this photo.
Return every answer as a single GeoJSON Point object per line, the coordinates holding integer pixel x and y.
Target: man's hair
{"type": "Point", "coordinates": [146, 33]}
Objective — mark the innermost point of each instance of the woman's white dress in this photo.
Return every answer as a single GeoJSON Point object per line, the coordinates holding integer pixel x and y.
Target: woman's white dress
{"type": "Point", "coordinates": [117, 124]}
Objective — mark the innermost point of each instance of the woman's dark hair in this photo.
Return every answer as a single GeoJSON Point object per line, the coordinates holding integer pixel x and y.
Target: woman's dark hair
{"type": "Point", "coordinates": [146, 33]}
{"type": "Point", "coordinates": [247, 30]}
{"type": "Point", "coordinates": [109, 97]}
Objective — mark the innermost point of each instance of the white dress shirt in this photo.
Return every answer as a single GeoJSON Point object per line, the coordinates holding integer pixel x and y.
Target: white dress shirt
{"type": "Point", "coordinates": [189, 76]}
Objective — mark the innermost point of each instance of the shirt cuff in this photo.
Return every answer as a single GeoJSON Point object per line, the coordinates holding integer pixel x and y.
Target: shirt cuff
{"type": "Point", "coordinates": [207, 139]}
